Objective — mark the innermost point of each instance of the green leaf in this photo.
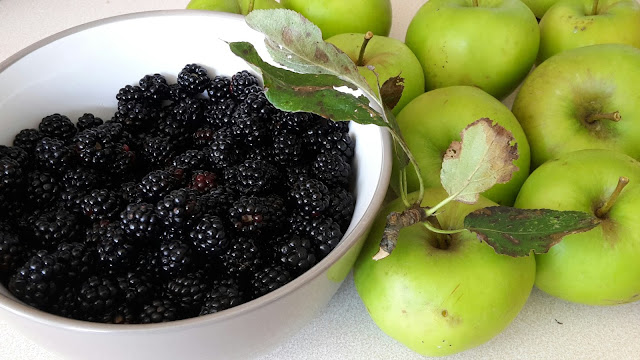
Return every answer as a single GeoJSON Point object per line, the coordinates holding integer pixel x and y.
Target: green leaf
{"type": "Point", "coordinates": [317, 93]}
{"type": "Point", "coordinates": [391, 91]}
{"type": "Point", "coordinates": [517, 232]}
{"type": "Point", "coordinates": [484, 157]}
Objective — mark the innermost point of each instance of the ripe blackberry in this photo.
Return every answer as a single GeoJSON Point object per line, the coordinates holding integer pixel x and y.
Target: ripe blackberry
{"type": "Point", "coordinates": [222, 296]}
{"type": "Point", "coordinates": [209, 236]}
{"type": "Point", "coordinates": [88, 121]}
{"type": "Point", "coordinates": [10, 176]}
{"type": "Point", "coordinates": [42, 189]}
{"type": "Point", "coordinates": [221, 114]}
{"type": "Point", "coordinates": [96, 146]}
{"type": "Point", "coordinates": [341, 207]}
{"type": "Point", "coordinates": [219, 88]}
{"type": "Point", "coordinates": [99, 297]}
{"type": "Point", "coordinates": [288, 149]}
{"type": "Point", "coordinates": [332, 169]}
{"type": "Point", "coordinates": [268, 279]}
{"type": "Point", "coordinates": [224, 150]}
{"type": "Point", "coordinates": [27, 139]}
{"type": "Point", "coordinates": [252, 177]}
{"type": "Point", "coordinates": [243, 257]}
{"type": "Point", "coordinates": [101, 204]}
{"type": "Point", "coordinates": [159, 311]}
{"type": "Point", "coordinates": [253, 89]}
{"type": "Point", "coordinates": [131, 192]}
{"type": "Point", "coordinates": [53, 155]}
{"type": "Point", "coordinates": [250, 120]}
{"type": "Point", "coordinates": [58, 127]}
{"type": "Point", "coordinates": [140, 222]}
{"type": "Point", "coordinates": [241, 80]}
{"type": "Point", "coordinates": [203, 181]}
{"type": "Point", "coordinates": [67, 303]}
{"type": "Point", "coordinates": [325, 235]}
{"type": "Point", "coordinates": [178, 93]}
{"type": "Point", "coordinates": [293, 122]}
{"type": "Point", "coordinates": [122, 167]}
{"type": "Point", "coordinates": [178, 207]}
{"type": "Point", "coordinates": [188, 292]}
{"type": "Point", "coordinates": [134, 116]}
{"type": "Point", "coordinates": [217, 201]}
{"type": "Point", "coordinates": [294, 252]}
{"type": "Point", "coordinates": [257, 215]}
{"type": "Point", "coordinates": [297, 174]}
{"type": "Point", "coordinates": [37, 281]}
{"type": "Point", "coordinates": [12, 252]}
{"type": "Point", "coordinates": [157, 151]}
{"type": "Point", "coordinates": [190, 112]}
{"type": "Point", "coordinates": [82, 179]}
{"type": "Point", "coordinates": [137, 288]}
{"type": "Point", "coordinates": [77, 258]}
{"type": "Point", "coordinates": [130, 93]}
{"type": "Point", "coordinates": [174, 258]}
{"type": "Point", "coordinates": [156, 185]}
{"type": "Point", "coordinates": [189, 161]}
{"type": "Point", "coordinates": [202, 137]}
{"type": "Point", "coordinates": [55, 226]}
{"type": "Point", "coordinates": [123, 314]}
{"type": "Point", "coordinates": [155, 87]}
{"type": "Point", "coordinates": [167, 124]}
{"type": "Point", "coordinates": [116, 252]}
{"type": "Point", "coordinates": [18, 154]}
{"type": "Point", "coordinates": [338, 142]}
{"type": "Point", "coordinates": [310, 198]}
{"type": "Point", "coordinates": [193, 78]}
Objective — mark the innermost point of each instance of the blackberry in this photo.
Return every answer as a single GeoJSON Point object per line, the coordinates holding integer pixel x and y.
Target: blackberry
{"type": "Point", "coordinates": [295, 253]}
{"type": "Point", "coordinates": [325, 235]}
{"type": "Point", "coordinates": [130, 93]}
{"type": "Point", "coordinates": [217, 201]}
{"type": "Point", "coordinates": [55, 226]}
{"type": "Point", "coordinates": [222, 296]}
{"type": "Point", "coordinates": [224, 150]}
{"type": "Point", "coordinates": [155, 87]}
{"type": "Point", "coordinates": [268, 279]}
{"type": "Point", "coordinates": [338, 142]}
{"type": "Point", "coordinates": [202, 137]}
{"type": "Point", "coordinates": [157, 151]}
{"type": "Point", "coordinates": [193, 78]}
{"type": "Point", "coordinates": [178, 93]}
{"type": "Point", "coordinates": [67, 303]}
{"type": "Point", "coordinates": [243, 257]}
{"type": "Point", "coordinates": [37, 281]}
{"type": "Point", "coordinates": [134, 116]}
{"type": "Point", "coordinates": [156, 185]}
{"type": "Point", "coordinates": [167, 124]}
{"type": "Point", "coordinates": [101, 204]}
{"type": "Point", "coordinates": [253, 89]}
{"type": "Point", "coordinates": [332, 169]}
{"type": "Point", "coordinates": [178, 207]}
{"type": "Point", "coordinates": [53, 155]}
{"type": "Point", "coordinates": [174, 258]}
{"type": "Point", "coordinates": [42, 189]}
{"type": "Point", "coordinates": [12, 252]}
{"type": "Point", "coordinates": [310, 198]}
{"type": "Point", "coordinates": [123, 314]}
{"type": "Point", "coordinates": [81, 179]}
{"type": "Point", "coordinates": [10, 176]}
{"type": "Point", "coordinates": [96, 146]}
{"type": "Point", "coordinates": [188, 291]}
{"type": "Point", "coordinates": [121, 169]}
{"type": "Point", "coordinates": [296, 174]}
{"type": "Point", "coordinates": [189, 161]}
{"type": "Point", "coordinates": [116, 252]}
{"type": "Point", "coordinates": [221, 114]}
{"type": "Point", "coordinates": [58, 127]}
{"type": "Point", "coordinates": [293, 122]}
{"type": "Point", "coordinates": [190, 112]}
{"type": "Point", "coordinates": [242, 80]}
{"type": "Point", "coordinates": [27, 139]}
{"type": "Point", "coordinates": [78, 259]}
{"type": "Point", "coordinates": [219, 88]}
{"type": "Point", "coordinates": [209, 236]}
{"type": "Point", "coordinates": [341, 207]}
{"type": "Point", "coordinates": [99, 297]}
{"type": "Point", "coordinates": [131, 192]}
{"type": "Point", "coordinates": [252, 177]}
{"type": "Point", "coordinates": [250, 120]}
{"type": "Point", "coordinates": [18, 154]}
{"type": "Point", "coordinates": [257, 215]}
{"type": "Point", "coordinates": [159, 311]}
{"type": "Point", "coordinates": [137, 288]}
{"type": "Point", "coordinates": [288, 149]}
{"type": "Point", "coordinates": [88, 121]}
{"type": "Point", "coordinates": [140, 222]}
{"type": "Point", "coordinates": [203, 181]}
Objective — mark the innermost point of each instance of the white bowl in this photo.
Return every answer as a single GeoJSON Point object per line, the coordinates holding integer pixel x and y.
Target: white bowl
{"type": "Point", "coordinates": [80, 70]}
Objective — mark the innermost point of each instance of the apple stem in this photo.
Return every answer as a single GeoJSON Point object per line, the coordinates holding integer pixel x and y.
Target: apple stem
{"type": "Point", "coordinates": [475, 3]}
{"type": "Point", "coordinates": [614, 116]}
{"type": "Point", "coordinates": [367, 37]}
{"type": "Point", "coordinates": [251, 5]}
{"type": "Point", "coordinates": [604, 209]}
{"type": "Point", "coordinates": [396, 221]}
{"type": "Point", "coordinates": [594, 9]}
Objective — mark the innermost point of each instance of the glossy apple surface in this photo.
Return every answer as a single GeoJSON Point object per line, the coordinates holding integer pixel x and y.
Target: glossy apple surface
{"type": "Point", "coordinates": [230, 6]}
{"type": "Point", "coordinates": [600, 266]}
{"type": "Point", "coordinates": [441, 301]}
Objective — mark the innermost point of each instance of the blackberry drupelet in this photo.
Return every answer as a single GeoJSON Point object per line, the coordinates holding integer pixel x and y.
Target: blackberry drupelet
{"type": "Point", "coordinates": [296, 174]}
{"type": "Point", "coordinates": [332, 169]}
{"type": "Point", "coordinates": [42, 189]}
{"type": "Point", "coordinates": [325, 234]}
{"type": "Point", "coordinates": [217, 201]}
{"type": "Point", "coordinates": [209, 237]}
{"type": "Point", "coordinates": [288, 150]}
{"type": "Point", "coordinates": [37, 281]}
{"type": "Point", "coordinates": [156, 185]}
{"type": "Point", "coordinates": [58, 127]}
{"type": "Point", "coordinates": [203, 181]}
{"type": "Point", "coordinates": [219, 88]}
{"type": "Point", "coordinates": [222, 296]}
{"type": "Point", "coordinates": [130, 93]}
{"type": "Point", "coordinates": [242, 80]}
{"type": "Point", "coordinates": [310, 198]}
{"type": "Point", "coordinates": [88, 121]}
{"type": "Point", "coordinates": [140, 222]}
{"type": "Point", "coordinates": [189, 161]}
{"type": "Point", "coordinates": [220, 114]}
{"type": "Point", "coordinates": [252, 177]}
{"type": "Point", "coordinates": [18, 154]}
{"type": "Point", "coordinates": [178, 93]}
{"type": "Point", "coordinates": [174, 258]}
{"type": "Point", "coordinates": [131, 192]}
{"type": "Point", "coordinates": [155, 88]}
{"type": "Point", "coordinates": [224, 150]}
{"type": "Point", "coordinates": [96, 146]}
{"type": "Point", "coordinates": [78, 259]}
{"type": "Point", "coordinates": [194, 79]}
{"type": "Point", "coordinates": [99, 297]}
{"type": "Point", "coordinates": [116, 251]}
{"type": "Point", "coordinates": [135, 116]}
{"type": "Point", "coordinates": [188, 292]}
{"type": "Point", "coordinates": [137, 288]}
{"type": "Point", "coordinates": [338, 142]}
{"type": "Point", "coordinates": [190, 112]}
{"type": "Point", "coordinates": [253, 215]}
{"type": "Point", "coordinates": [101, 204]}
{"type": "Point", "coordinates": [268, 279]}
{"type": "Point", "coordinates": [27, 139]}
{"type": "Point", "coordinates": [81, 179]}
{"type": "Point", "coordinates": [159, 311]}
{"type": "Point", "coordinates": [294, 252]}
{"type": "Point", "coordinates": [157, 151]}
{"type": "Point", "coordinates": [242, 258]}
{"type": "Point", "coordinates": [293, 122]}
{"type": "Point", "coordinates": [341, 207]}
{"type": "Point", "coordinates": [178, 207]}
{"type": "Point", "coordinates": [55, 226]}
{"type": "Point", "coordinates": [53, 155]}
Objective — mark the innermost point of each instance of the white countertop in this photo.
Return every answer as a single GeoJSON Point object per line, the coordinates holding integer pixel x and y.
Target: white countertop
{"type": "Point", "coordinates": [546, 328]}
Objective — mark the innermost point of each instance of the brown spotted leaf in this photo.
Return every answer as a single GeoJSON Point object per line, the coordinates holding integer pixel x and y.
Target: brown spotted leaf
{"type": "Point", "coordinates": [484, 157]}
{"type": "Point", "coordinates": [315, 93]}
{"type": "Point", "coordinates": [391, 91]}
{"type": "Point", "coordinates": [517, 232]}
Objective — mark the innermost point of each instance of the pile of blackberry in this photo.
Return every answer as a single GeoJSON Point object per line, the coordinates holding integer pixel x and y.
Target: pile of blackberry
{"type": "Point", "coordinates": [196, 196]}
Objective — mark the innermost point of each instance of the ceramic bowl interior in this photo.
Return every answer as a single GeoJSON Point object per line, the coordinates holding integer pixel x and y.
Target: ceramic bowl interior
{"type": "Point", "coordinates": [80, 70]}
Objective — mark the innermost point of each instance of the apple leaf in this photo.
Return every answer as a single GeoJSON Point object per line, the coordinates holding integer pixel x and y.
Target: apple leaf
{"type": "Point", "coordinates": [315, 93]}
{"type": "Point", "coordinates": [391, 91]}
{"type": "Point", "coordinates": [517, 232]}
{"type": "Point", "coordinates": [484, 157]}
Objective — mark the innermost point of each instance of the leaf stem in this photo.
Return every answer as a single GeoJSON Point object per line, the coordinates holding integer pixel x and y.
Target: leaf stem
{"type": "Point", "coordinates": [413, 161]}
{"type": "Point", "coordinates": [403, 187]}
{"type": "Point", "coordinates": [367, 37]}
{"type": "Point", "coordinates": [594, 9]}
{"type": "Point", "coordinates": [614, 116]}
{"type": "Point", "coordinates": [429, 226]}
{"type": "Point", "coordinates": [604, 209]}
{"type": "Point", "coordinates": [442, 203]}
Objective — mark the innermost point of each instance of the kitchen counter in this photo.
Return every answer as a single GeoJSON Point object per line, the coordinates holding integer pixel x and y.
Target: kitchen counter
{"type": "Point", "coordinates": [547, 328]}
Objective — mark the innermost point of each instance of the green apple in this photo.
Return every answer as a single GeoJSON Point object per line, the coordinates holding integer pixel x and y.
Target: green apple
{"type": "Point", "coordinates": [540, 7]}
{"type": "Point", "coordinates": [431, 121]}
{"type": "Point", "coordinates": [389, 57]}
{"type": "Point", "coordinates": [600, 266]}
{"type": "Point", "coordinates": [439, 301]}
{"type": "Point", "coordinates": [258, 5]}
{"type": "Point", "coordinates": [491, 44]}
{"type": "Point", "coordinates": [582, 98]}
{"type": "Point", "coordinates": [588, 22]}
{"type": "Point", "coordinates": [339, 16]}
{"type": "Point", "coordinates": [230, 6]}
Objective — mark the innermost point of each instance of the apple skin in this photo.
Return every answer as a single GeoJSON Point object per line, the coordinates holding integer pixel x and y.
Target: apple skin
{"type": "Point", "coordinates": [431, 121]}
{"type": "Point", "coordinates": [390, 57]}
{"type": "Point", "coordinates": [492, 46]}
{"type": "Point", "coordinates": [339, 16]}
{"type": "Point", "coordinates": [540, 7]}
{"type": "Point", "coordinates": [557, 96]}
{"type": "Point", "coordinates": [230, 6]}
{"type": "Point", "coordinates": [258, 5]}
{"type": "Point", "coordinates": [440, 302]}
{"type": "Point", "coordinates": [600, 266]}
{"type": "Point", "coordinates": [571, 25]}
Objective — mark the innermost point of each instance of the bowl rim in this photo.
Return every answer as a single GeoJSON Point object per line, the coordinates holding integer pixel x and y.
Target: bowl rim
{"type": "Point", "coordinates": [347, 242]}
